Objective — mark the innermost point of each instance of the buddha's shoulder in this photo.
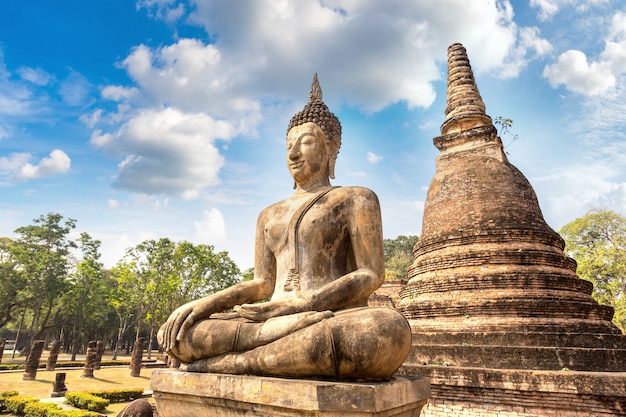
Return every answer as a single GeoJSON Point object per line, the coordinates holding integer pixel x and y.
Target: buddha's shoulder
{"type": "Point", "coordinates": [353, 193]}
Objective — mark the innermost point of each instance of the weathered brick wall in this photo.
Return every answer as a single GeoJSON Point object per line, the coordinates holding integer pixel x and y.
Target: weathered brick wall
{"type": "Point", "coordinates": [470, 392]}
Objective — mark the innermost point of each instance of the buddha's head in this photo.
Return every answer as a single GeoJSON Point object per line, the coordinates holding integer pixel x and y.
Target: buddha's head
{"type": "Point", "coordinates": [315, 133]}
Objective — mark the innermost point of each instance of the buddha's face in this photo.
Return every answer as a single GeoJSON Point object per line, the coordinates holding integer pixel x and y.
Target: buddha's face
{"type": "Point", "coordinates": [307, 153]}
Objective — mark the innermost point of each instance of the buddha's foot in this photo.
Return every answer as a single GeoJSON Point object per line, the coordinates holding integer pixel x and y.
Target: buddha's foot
{"type": "Point", "coordinates": [224, 364]}
{"type": "Point", "coordinates": [279, 327]}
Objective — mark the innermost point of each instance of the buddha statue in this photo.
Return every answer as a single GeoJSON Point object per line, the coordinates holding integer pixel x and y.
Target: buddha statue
{"type": "Point", "coordinates": [318, 257]}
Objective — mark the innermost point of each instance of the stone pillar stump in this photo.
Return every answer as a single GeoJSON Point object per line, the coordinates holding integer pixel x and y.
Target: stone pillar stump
{"type": "Point", "coordinates": [3, 342]}
{"type": "Point", "coordinates": [135, 360]}
{"type": "Point", "coordinates": [53, 356]}
{"type": "Point", "coordinates": [90, 360]}
{"type": "Point", "coordinates": [58, 388]}
{"type": "Point", "coordinates": [99, 353]}
{"type": "Point", "coordinates": [32, 363]}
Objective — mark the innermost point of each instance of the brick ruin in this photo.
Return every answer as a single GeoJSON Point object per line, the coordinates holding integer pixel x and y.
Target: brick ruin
{"type": "Point", "coordinates": [501, 322]}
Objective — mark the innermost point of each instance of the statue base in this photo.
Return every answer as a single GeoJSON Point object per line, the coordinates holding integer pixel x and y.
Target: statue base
{"type": "Point", "coordinates": [182, 394]}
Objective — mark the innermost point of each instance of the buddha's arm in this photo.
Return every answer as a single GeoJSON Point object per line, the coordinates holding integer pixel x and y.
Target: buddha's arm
{"type": "Point", "coordinates": [351, 289]}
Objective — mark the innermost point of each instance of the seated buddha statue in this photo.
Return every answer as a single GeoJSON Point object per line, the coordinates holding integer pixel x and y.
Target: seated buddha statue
{"type": "Point", "coordinates": [318, 257]}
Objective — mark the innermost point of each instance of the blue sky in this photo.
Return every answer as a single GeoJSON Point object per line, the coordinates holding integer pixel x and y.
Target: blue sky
{"type": "Point", "coordinates": [167, 118]}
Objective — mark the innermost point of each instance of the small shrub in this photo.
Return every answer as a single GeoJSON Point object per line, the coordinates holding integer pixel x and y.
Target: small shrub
{"type": "Point", "coordinates": [119, 395]}
{"type": "Point", "coordinates": [72, 413]}
{"type": "Point", "coordinates": [39, 409]}
{"type": "Point", "coordinates": [3, 396]}
{"type": "Point", "coordinates": [16, 403]}
{"type": "Point", "coordinates": [86, 401]}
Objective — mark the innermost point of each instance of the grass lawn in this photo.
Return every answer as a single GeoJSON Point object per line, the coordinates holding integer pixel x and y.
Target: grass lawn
{"type": "Point", "coordinates": [104, 379]}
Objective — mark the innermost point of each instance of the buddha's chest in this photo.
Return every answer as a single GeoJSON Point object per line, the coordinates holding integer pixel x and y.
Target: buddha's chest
{"type": "Point", "coordinates": [324, 225]}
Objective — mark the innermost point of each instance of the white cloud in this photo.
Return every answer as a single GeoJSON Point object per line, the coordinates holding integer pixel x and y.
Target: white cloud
{"type": "Point", "coordinates": [75, 89]}
{"type": "Point", "coordinates": [168, 10]}
{"type": "Point", "coordinates": [167, 151]}
{"type": "Point", "coordinates": [13, 162]}
{"type": "Point", "coordinates": [578, 75]}
{"type": "Point", "coordinates": [211, 229]}
{"type": "Point", "coordinates": [119, 93]}
{"type": "Point", "coordinates": [56, 163]}
{"type": "Point", "coordinates": [35, 75]}
{"type": "Point", "coordinates": [372, 158]}
{"type": "Point", "coordinates": [549, 8]}
{"type": "Point", "coordinates": [262, 57]}
{"type": "Point", "coordinates": [271, 49]}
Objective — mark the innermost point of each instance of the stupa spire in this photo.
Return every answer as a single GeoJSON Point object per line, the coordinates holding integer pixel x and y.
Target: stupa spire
{"type": "Point", "coordinates": [465, 108]}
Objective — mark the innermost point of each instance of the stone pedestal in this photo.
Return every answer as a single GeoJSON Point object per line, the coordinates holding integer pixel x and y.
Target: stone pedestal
{"type": "Point", "coordinates": [179, 394]}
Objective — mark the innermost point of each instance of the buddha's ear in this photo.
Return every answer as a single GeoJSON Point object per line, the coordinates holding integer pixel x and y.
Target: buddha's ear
{"type": "Point", "coordinates": [334, 145]}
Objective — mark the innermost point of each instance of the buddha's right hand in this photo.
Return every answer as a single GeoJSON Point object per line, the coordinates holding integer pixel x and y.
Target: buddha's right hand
{"type": "Point", "coordinates": [180, 321]}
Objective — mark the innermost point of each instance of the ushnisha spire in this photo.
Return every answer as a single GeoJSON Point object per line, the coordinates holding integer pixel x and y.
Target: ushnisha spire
{"type": "Point", "coordinates": [317, 112]}
{"type": "Point", "coordinates": [465, 108]}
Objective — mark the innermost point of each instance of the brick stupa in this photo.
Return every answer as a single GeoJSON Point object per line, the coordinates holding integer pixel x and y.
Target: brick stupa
{"type": "Point", "coordinates": [490, 285]}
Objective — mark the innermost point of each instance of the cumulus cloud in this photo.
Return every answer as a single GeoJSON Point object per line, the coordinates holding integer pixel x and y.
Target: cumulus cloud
{"type": "Point", "coordinates": [167, 151]}
{"type": "Point", "coordinates": [577, 73]}
{"type": "Point", "coordinates": [56, 163]}
{"type": "Point", "coordinates": [265, 48]}
{"type": "Point", "coordinates": [13, 162]}
{"type": "Point", "coordinates": [211, 228]}
{"type": "Point", "coordinates": [262, 56]}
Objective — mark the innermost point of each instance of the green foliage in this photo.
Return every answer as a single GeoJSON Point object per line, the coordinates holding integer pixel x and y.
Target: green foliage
{"type": "Point", "coordinates": [39, 409]}
{"type": "Point", "coordinates": [16, 403]}
{"type": "Point", "coordinates": [86, 401]}
{"type": "Point", "coordinates": [72, 413]}
{"type": "Point", "coordinates": [505, 128]}
{"type": "Point", "coordinates": [52, 283]}
{"type": "Point", "coordinates": [398, 256]}
{"type": "Point", "coordinates": [247, 275]}
{"type": "Point", "coordinates": [12, 282]}
{"type": "Point", "coordinates": [597, 241]}
{"type": "Point", "coordinates": [42, 252]}
{"type": "Point", "coordinates": [156, 277]}
{"type": "Point", "coordinates": [119, 395]}
{"type": "Point", "coordinates": [3, 396]}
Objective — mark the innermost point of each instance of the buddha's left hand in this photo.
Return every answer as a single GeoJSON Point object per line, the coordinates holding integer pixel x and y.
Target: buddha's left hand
{"type": "Point", "coordinates": [269, 309]}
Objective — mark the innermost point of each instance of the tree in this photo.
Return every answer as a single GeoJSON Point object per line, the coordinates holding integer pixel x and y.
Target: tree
{"type": "Point", "coordinates": [597, 241]}
{"type": "Point", "coordinates": [124, 297]}
{"type": "Point", "coordinates": [84, 302]}
{"type": "Point", "coordinates": [42, 251]}
{"type": "Point", "coordinates": [398, 256]}
{"type": "Point", "coordinates": [12, 282]}
{"type": "Point", "coordinates": [162, 275]}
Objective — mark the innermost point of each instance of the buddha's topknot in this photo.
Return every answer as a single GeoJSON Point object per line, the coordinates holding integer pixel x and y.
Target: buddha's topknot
{"type": "Point", "coordinates": [317, 112]}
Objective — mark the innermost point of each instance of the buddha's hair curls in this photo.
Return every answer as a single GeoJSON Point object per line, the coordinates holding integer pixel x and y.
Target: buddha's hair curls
{"type": "Point", "coordinates": [317, 112]}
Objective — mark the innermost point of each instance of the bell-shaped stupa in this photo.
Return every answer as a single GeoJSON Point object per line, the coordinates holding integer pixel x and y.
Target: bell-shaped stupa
{"type": "Point", "coordinates": [490, 285]}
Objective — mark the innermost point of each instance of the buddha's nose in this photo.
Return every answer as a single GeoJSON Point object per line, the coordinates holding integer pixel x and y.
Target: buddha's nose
{"type": "Point", "coordinates": [294, 152]}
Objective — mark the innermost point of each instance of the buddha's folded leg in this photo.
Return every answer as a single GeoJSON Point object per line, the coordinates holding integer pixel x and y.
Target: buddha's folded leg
{"type": "Point", "coordinates": [367, 343]}
{"type": "Point", "coordinates": [229, 333]}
